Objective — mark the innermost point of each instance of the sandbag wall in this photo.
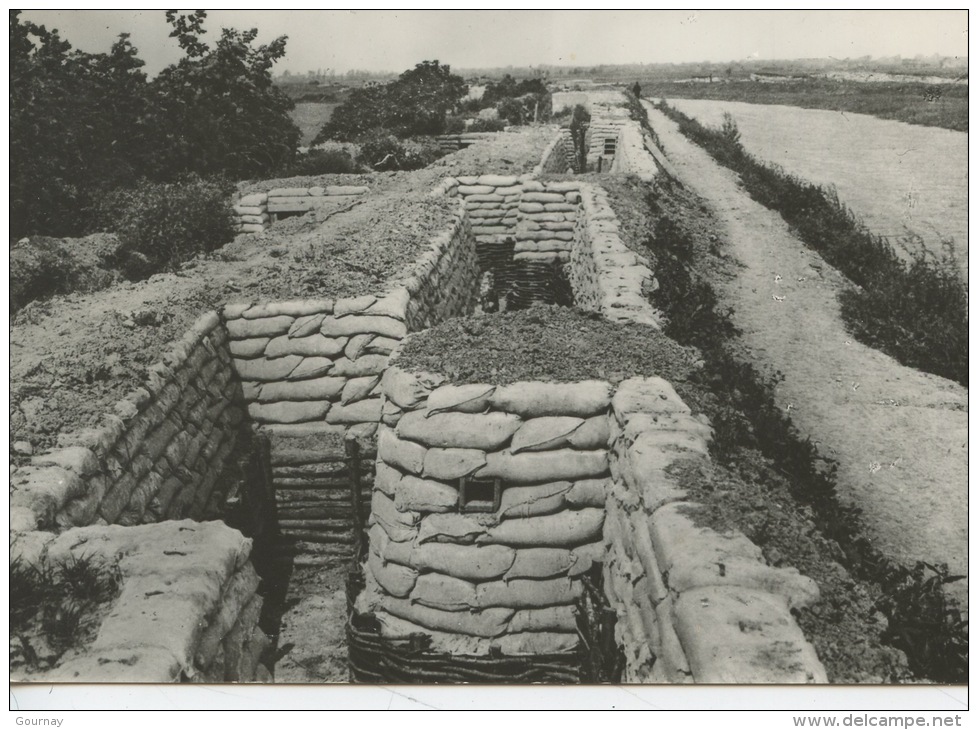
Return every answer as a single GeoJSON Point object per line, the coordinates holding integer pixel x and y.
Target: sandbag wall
{"type": "Point", "coordinates": [496, 569]}
{"type": "Point", "coordinates": [203, 627]}
{"type": "Point", "coordinates": [693, 604]}
{"type": "Point", "coordinates": [311, 368]}
{"type": "Point", "coordinates": [454, 142]}
{"type": "Point", "coordinates": [256, 211]}
{"type": "Point", "coordinates": [606, 276]}
{"type": "Point", "coordinates": [160, 455]}
{"type": "Point", "coordinates": [559, 156]}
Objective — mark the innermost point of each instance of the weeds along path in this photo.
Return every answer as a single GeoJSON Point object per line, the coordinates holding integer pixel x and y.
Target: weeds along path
{"type": "Point", "coordinates": [900, 436]}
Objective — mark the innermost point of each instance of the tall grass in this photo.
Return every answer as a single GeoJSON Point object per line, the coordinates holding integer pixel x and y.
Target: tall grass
{"type": "Point", "coordinates": [915, 311]}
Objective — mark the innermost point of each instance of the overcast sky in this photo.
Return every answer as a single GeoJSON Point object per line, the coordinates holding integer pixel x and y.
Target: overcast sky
{"type": "Point", "coordinates": [396, 40]}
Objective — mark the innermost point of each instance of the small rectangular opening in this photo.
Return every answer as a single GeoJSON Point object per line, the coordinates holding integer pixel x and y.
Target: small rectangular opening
{"type": "Point", "coordinates": [609, 146]}
{"type": "Point", "coordinates": [475, 495]}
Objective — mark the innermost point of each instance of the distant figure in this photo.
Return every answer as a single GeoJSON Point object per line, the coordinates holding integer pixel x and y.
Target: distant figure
{"type": "Point", "coordinates": [637, 90]}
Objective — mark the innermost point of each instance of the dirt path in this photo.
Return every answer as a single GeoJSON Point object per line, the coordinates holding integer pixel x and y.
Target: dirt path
{"type": "Point", "coordinates": [313, 630]}
{"type": "Point", "coordinates": [900, 436]}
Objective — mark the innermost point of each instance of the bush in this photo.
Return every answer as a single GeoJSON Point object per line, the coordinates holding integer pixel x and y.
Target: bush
{"type": "Point", "coordinates": [454, 125]}
{"type": "Point", "coordinates": [385, 152]}
{"type": "Point", "coordinates": [322, 162]}
{"type": "Point", "coordinates": [161, 225]}
{"type": "Point", "coordinates": [487, 125]}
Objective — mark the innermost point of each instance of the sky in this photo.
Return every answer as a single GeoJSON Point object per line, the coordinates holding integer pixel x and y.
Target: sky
{"type": "Point", "coordinates": [394, 40]}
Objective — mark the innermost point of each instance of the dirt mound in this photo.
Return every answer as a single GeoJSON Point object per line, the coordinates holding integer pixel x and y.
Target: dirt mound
{"type": "Point", "coordinates": [547, 343]}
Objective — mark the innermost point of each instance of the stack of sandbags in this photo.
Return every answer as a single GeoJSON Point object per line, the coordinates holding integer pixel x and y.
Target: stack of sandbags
{"type": "Point", "coordinates": [606, 276]}
{"type": "Point", "coordinates": [251, 212]}
{"type": "Point", "coordinates": [546, 221]}
{"type": "Point", "coordinates": [302, 200]}
{"type": "Point", "coordinates": [315, 360]}
{"type": "Point", "coordinates": [188, 607]}
{"type": "Point", "coordinates": [444, 281]}
{"type": "Point", "coordinates": [559, 157]}
{"type": "Point", "coordinates": [159, 455]}
{"type": "Point", "coordinates": [693, 604]}
{"type": "Point", "coordinates": [507, 576]}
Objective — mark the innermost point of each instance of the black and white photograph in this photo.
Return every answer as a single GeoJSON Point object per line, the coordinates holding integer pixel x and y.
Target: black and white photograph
{"type": "Point", "coordinates": [424, 348]}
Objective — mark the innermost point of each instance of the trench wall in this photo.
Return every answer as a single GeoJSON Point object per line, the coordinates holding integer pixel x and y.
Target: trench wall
{"type": "Point", "coordinates": [118, 494]}
{"type": "Point", "coordinates": [187, 609]}
{"type": "Point", "coordinates": [505, 578]}
{"type": "Point", "coordinates": [159, 455]}
{"type": "Point", "coordinates": [693, 604]}
{"type": "Point", "coordinates": [310, 373]}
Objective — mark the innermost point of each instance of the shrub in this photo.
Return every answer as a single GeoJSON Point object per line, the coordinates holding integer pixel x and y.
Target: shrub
{"type": "Point", "coordinates": [322, 162]}
{"type": "Point", "coordinates": [163, 224]}
{"type": "Point", "coordinates": [385, 152]}
{"type": "Point", "coordinates": [487, 125]}
{"type": "Point", "coordinates": [454, 125]}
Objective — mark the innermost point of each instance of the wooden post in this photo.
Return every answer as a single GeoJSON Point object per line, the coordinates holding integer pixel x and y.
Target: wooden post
{"type": "Point", "coordinates": [356, 496]}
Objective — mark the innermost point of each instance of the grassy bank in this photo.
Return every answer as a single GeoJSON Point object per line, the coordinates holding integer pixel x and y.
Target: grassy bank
{"type": "Point", "coordinates": [914, 311]}
{"type": "Point", "coordinates": [929, 105]}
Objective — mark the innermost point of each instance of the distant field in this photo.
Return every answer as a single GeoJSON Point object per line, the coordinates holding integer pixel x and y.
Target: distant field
{"type": "Point", "coordinates": [930, 105]}
{"type": "Point", "coordinates": [310, 117]}
{"type": "Point", "coordinates": [897, 178]}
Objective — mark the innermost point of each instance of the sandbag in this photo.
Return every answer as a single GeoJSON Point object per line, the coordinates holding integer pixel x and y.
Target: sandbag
{"type": "Point", "coordinates": [442, 642]}
{"type": "Point", "coordinates": [310, 367]}
{"type": "Point", "coordinates": [305, 346]}
{"type": "Point", "coordinates": [536, 399]}
{"type": "Point", "coordinates": [393, 578]}
{"type": "Point", "coordinates": [544, 466]}
{"type": "Point", "coordinates": [444, 592]}
{"type": "Point", "coordinates": [467, 562]}
{"type": "Point", "coordinates": [306, 326]}
{"type": "Point", "coordinates": [314, 389]}
{"type": "Point", "coordinates": [254, 347]}
{"type": "Point", "coordinates": [457, 528]}
{"type": "Point", "coordinates": [488, 623]}
{"type": "Point", "coordinates": [551, 618]}
{"type": "Point", "coordinates": [356, 344]}
{"type": "Point", "coordinates": [527, 593]}
{"type": "Point", "coordinates": [540, 563]}
{"type": "Point", "coordinates": [406, 455]}
{"type": "Point", "coordinates": [399, 526]}
{"type": "Point", "coordinates": [425, 495]}
{"type": "Point", "coordinates": [541, 434]}
{"type": "Point", "coordinates": [542, 499]}
{"type": "Point", "coordinates": [449, 464]}
{"type": "Point", "coordinates": [588, 493]}
{"type": "Point", "coordinates": [484, 431]}
{"type": "Point", "coordinates": [564, 529]}
{"type": "Point", "coordinates": [535, 643]}
{"type": "Point", "coordinates": [386, 479]}
{"type": "Point", "coordinates": [585, 556]}
{"type": "Point", "coordinates": [408, 390]}
{"type": "Point", "coordinates": [472, 398]}
{"type": "Point", "coordinates": [595, 433]}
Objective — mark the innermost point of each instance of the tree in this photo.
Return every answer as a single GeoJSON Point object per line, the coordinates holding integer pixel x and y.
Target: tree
{"type": "Point", "coordinates": [217, 109]}
{"type": "Point", "coordinates": [82, 124]}
{"type": "Point", "coordinates": [416, 103]}
{"type": "Point", "coordinates": [75, 127]}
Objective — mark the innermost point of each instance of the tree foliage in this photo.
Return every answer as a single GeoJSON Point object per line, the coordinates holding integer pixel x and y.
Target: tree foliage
{"type": "Point", "coordinates": [82, 124]}
{"type": "Point", "coordinates": [416, 103]}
